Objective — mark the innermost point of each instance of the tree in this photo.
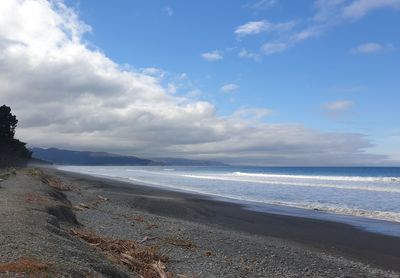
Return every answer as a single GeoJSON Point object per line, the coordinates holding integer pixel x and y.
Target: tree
{"type": "Point", "coordinates": [8, 123]}
{"type": "Point", "coordinates": [12, 151]}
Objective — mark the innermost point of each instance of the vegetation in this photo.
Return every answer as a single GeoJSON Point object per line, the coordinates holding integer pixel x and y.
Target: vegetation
{"type": "Point", "coordinates": [139, 258]}
{"type": "Point", "coordinates": [12, 151]}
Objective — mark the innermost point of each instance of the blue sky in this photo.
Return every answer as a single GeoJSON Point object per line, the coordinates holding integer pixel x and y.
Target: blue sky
{"type": "Point", "coordinates": [266, 82]}
{"type": "Point", "coordinates": [296, 84]}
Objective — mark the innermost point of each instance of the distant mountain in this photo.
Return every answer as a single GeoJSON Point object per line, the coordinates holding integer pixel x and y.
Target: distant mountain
{"type": "Point", "coordinates": [186, 162]}
{"type": "Point", "coordinates": [68, 157]}
{"type": "Point", "coordinates": [36, 161]}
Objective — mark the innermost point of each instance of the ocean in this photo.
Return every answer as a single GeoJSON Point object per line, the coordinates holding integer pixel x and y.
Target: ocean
{"type": "Point", "coordinates": [366, 192]}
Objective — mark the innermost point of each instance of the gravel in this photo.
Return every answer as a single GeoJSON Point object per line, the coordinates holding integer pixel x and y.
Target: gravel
{"type": "Point", "coordinates": [39, 229]}
{"type": "Point", "coordinates": [35, 223]}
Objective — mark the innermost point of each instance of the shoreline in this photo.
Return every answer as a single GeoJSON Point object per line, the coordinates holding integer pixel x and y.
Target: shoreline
{"type": "Point", "coordinates": [387, 223]}
{"type": "Point", "coordinates": [327, 236]}
{"type": "Point", "coordinates": [60, 224]}
{"type": "Point", "coordinates": [365, 223]}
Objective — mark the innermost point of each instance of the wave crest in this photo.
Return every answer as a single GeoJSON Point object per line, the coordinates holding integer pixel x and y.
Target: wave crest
{"type": "Point", "coordinates": [326, 178]}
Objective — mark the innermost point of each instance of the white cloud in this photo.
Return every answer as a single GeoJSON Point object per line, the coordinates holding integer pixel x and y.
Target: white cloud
{"type": "Point", "coordinates": [306, 34]}
{"type": "Point", "coordinates": [252, 113]}
{"type": "Point", "coordinates": [341, 10]}
{"type": "Point", "coordinates": [183, 76]}
{"type": "Point", "coordinates": [283, 26]}
{"type": "Point", "coordinates": [256, 27]}
{"type": "Point", "coordinates": [68, 95]}
{"type": "Point", "coordinates": [340, 105]}
{"type": "Point", "coordinates": [229, 88]}
{"type": "Point", "coordinates": [212, 56]}
{"type": "Point", "coordinates": [272, 48]}
{"type": "Point", "coordinates": [263, 4]}
{"type": "Point", "coordinates": [249, 55]}
{"type": "Point", "coordinates": [156, 72]}
{"type": "Point", "coordinates": [370, 48]}
{"type": "Point", "coordinates": [338, 109]}
{"type": "Point", "coordinates": [194, 93]}
{"type": "Point", "coordinates": [326, 10]}
{"type": "Point", "coordinates": [359, 8]}
{"type": "Point", "coordinates": [251, 28]}
{"type": "Point", "coordinates": [172, 88]}
{"type": "Point", "coordinates": [328, 14]}
{"type": "Point", "coordinates": [286, 34]}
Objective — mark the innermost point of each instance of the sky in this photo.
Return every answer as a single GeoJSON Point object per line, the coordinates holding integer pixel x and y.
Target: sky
{"type": "Point", "coordinates": [259, 82]}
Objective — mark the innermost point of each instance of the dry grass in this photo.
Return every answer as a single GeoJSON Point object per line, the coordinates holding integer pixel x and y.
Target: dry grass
{"type": "Point", "coordinates": [209, 253]}
{"type": "Point", "coordinates": [185, 243]}
{"type": "Point", "coordinates": [139, 258]}
{"type": "Point", "coordinates": [4, 176]}
{"type": "Point", "coordinates": [151, 226]}
{"type": "Point", "coordinates": [6, 173]}
{"type": "Point", "coordinates": [51, 181]}
{"type": "Point", "coordinates": [36, 198]}
{"type": "Point", "coordinates": [138, 218]}
{"type": "Point", "coordinates": [32, 267]}
{"type": "Point", "coordinates": [35, 172]}
{"type": "Point", "coordinates": [56, 183]}
{"type": "Point", "coordinates": [92, 204]}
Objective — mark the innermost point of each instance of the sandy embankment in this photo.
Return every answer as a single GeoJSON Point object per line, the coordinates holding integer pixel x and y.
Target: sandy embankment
{"type": "Point", "coordinates": [202, 238]}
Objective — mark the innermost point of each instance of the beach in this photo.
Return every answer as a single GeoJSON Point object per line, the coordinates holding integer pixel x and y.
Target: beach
{"type": "Point", "coordinates": [202, 237]}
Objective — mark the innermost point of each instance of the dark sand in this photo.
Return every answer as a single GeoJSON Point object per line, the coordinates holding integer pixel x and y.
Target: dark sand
{"type": "Point", "coordinates": [201, 237]}
{"type": "Point", "coordinates": [337, 239]}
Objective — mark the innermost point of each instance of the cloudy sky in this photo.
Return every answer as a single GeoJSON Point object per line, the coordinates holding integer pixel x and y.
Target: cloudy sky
{"type": "Point", "coordinates": [266, 82]}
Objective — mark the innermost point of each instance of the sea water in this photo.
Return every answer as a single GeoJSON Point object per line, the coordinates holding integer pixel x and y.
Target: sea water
{"type": "Point", "coordinates": [368, 192]}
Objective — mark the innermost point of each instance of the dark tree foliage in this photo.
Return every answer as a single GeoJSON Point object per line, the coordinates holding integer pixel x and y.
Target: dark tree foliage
{"type": "Point", "coordinates": [12, 151]}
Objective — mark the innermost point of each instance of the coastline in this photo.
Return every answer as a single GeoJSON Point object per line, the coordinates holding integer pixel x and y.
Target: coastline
{"type": "Point", "coordinates": [328, 236]}
{"type": "Point", "coordinates": [202, 237]}
{"type": "Point", "coordinates": [319, 192]}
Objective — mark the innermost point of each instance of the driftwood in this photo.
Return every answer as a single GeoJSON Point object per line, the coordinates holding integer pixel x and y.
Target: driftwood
{"type": "Point", "coordinates": [139, 258]}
